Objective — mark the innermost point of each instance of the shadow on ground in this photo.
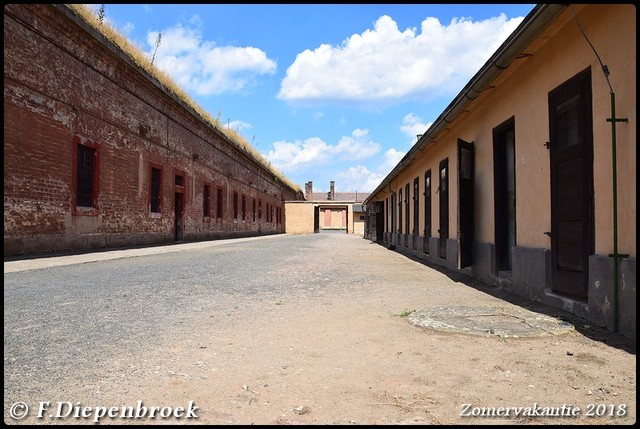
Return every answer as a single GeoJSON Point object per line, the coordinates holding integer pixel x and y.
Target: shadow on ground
{"type": "Point", "coordinates": [581, 325]}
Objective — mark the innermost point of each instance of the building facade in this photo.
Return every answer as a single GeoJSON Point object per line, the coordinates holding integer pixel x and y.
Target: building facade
{"type": "Point", "coordinates": [326, 212]}
{"type": "Point", "coordinates": [528, 178]}
{"type": "Point", "coordinates": [101, 153]}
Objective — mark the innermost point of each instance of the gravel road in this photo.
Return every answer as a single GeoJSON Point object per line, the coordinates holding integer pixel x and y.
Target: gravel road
{"type": "Point", "coordinates": [281, 329]}
{"type": "Point", "coordinates": [76, 329]}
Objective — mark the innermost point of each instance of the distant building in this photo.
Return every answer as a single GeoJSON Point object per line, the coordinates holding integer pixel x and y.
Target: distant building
{"type": "Point", "coordinates": [326, 212]}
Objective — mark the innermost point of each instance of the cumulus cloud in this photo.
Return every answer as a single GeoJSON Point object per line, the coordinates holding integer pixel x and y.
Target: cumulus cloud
{"type": "Point", "coordinates": [357, 146]}
{"type": "Point", "coordinates": [391, 158]}
{"type": "Point", "coordinates": [360, 178]}
{"type": "Point", "coordinates": [385, 63]}
{"type": "Point", "coordinates": [203, 67]}
{"type": "Point", "coordinates": [312, 152]}
{"type": "Point", "coordinates": [412, 126]}
{"type": "Point", "coordinates": [311, 156]}
{"type": "Point", "coordinates": [290, 156]}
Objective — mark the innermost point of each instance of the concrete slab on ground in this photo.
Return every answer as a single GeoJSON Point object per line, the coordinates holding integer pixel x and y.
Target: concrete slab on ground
{"type": "Point", "coordinates": [506, 322]}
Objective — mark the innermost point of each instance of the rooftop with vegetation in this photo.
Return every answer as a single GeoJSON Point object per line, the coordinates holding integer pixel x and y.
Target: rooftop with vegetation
{"type": "Point", "coordinates": [143, 61]}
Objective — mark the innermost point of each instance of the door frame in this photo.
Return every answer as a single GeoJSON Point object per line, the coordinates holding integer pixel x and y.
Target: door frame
{"type": "Point", "coordinates": [567, 280]}
{"type": "Point", "coordinates": [443, 190]}
{"type": "Point", "coordinates": [466, 203]}
{"type": "Point", "coordinates": [500, 197]}
{"type": "Point", "coordinates": [179, 204]}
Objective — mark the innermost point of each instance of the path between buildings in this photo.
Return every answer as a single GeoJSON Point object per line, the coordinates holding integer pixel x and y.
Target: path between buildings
{"type": "Point", "coordinates": [316, 329]}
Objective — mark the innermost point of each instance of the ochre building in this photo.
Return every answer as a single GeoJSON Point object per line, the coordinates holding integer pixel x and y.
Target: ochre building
{"type": "Point", "coordinates": [326, 212]}
{"type": "Point", "coordinates": [528, 178]}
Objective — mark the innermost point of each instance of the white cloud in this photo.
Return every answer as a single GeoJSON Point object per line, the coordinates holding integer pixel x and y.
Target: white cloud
{"type": "Point", "coordinates": [412, 126]}
{"type": "Point", "coordinates": [360, 178]}
{"type": "Point", "coordinates": [388, 64]}
{"type": "Point", "coordinates": [290, 157]}
{"type": "Point", "coordinates": [237, 126]}
{"type": "Point", "coordinates": [391, 158]}
{"type": "Point", "coordinates": [312, 152]}
{"type": "Point", "coordinates": [356, 146]}
{"type": "Point", "coordinates": [202, 67]}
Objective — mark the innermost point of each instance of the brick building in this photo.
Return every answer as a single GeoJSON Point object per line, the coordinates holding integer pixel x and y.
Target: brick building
{"type": "Point", "coordinates": [101, 151]}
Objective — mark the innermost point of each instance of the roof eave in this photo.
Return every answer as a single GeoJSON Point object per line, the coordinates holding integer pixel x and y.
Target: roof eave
{"type": "Point", "coordinates": [528, 30]}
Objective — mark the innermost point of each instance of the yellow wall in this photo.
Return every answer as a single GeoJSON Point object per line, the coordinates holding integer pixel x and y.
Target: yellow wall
{"type": "Point", "coordinates": [357, 225]}
{"type": "Point", "coordinates": [522, 92]}
{"type": "Point", "coordinates": [335, 218]}
{"type": "Point", "coordinates": [298, 218]}
{"type": "Point", "coordinates": [620, 57]}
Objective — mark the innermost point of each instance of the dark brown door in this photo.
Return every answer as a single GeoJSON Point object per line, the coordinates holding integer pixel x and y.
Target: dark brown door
{"type": "Point", "coordinates": [416, 211]}
{"type": "Point", "coordinates": [504, 191]}
{"type": "Point", "coordinates": [406, 215]}
{"type": "Point", "coordinates": [443, 190]}
{"type": "Point", "coordinates": [571, 146]}
{"type": "Point", "coordinates": [379, 221]}
{"type": "Point", "coordinates": [316, 219]}
{"type": "Point", "coordinates": [427, 210]}
{"type": "Point", "coordinates": [393, 215]}
{"type": "Point", "coordinates": [179, 216]}
{"type": "Point", "coordinates": [465, 202]}
{"type": "Point", "coordinates": [399, 214]}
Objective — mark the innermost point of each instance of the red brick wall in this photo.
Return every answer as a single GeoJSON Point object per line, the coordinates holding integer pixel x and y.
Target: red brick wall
{"type": "Point", "coordinates": [62, 83]}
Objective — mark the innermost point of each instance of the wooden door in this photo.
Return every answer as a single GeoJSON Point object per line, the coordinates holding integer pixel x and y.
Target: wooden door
{"type": "Point", "coordinates": [443, 191]}
{"type": "Point", "coordinates": [466, 217]}
{"type": "Point", "coordinates": [571, 146]}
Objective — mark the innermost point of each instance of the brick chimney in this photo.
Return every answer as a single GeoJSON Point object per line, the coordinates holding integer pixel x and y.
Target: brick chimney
{"type": "Point", "coordinates": [308, 190]}
{"type": "Point", "coordinates": [333, 191]}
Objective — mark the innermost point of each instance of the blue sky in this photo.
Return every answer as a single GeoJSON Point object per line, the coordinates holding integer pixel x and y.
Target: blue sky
{"type": "Point", "coordinates": [323, 91]}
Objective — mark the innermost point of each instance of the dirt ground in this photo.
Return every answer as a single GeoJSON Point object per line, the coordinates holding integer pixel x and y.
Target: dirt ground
{"type": "Point", "coordinates": [337, 361]}
{"type": "Point", "coordinates": [353, 358]}
{"type": "Point", "coordinates": [348, 355]}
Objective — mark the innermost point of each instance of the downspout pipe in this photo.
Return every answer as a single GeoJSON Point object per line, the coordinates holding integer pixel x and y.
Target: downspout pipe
{"type": "Point", "coordinates": [616, 256]}
{"type": "Point", "coordinates": [614, 181]}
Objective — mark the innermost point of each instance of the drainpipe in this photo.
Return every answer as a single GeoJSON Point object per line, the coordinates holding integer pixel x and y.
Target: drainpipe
{"type": "Point", "coordinates": [614, 171]}
{"type": "Point", "coordinates": [616, 256]}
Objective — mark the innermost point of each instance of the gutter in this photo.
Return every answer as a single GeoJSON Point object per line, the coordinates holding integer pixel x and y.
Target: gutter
{"type": "Point", "coordinates": [528, 30]}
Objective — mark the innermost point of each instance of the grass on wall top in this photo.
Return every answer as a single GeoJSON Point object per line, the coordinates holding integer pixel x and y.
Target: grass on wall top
{"type": "Point", "coordinates": [142, 61]}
